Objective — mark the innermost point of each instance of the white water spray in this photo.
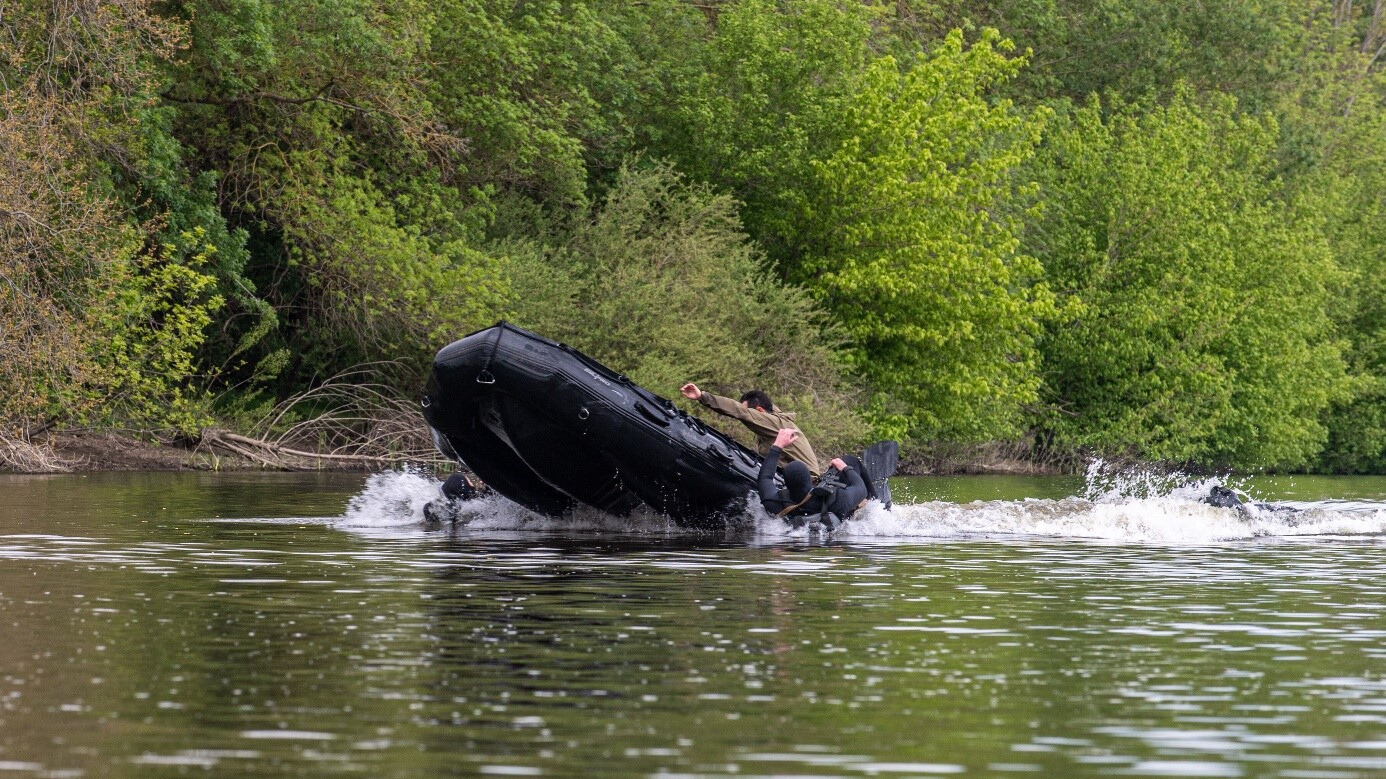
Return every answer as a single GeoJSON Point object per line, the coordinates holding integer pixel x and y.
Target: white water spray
{"type": "Point", "coordinates": [1136, 505]}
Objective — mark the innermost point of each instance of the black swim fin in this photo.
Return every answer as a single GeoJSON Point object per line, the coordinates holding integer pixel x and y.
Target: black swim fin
{"type": "Point", "coordinates": [880, 461]}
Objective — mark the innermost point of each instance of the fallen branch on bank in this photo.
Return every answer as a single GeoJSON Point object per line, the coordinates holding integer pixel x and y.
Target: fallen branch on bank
{"type": "Point", "coordinates": [353, 419]}
{"type": "Point", "coordinates": [21, 455]}
{"type": "Point", "coordinates": [279, 457]}
{"type": "Point", "coordinates": [297, 453]}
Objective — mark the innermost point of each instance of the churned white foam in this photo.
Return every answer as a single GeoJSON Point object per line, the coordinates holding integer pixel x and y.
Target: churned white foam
{"type": "Point", "coordinates": [1139, 507]}
{"type": "Point", "coordinates": [1167, 519]}
{"type": "Point", "coordinates": [1107, 483]}
{"type": "Point", "coordinates": [395, 499]}
{"type": "Point", "coordinates": [392, 498]}
{"type": "Point", "coordinates": [1158, 519]}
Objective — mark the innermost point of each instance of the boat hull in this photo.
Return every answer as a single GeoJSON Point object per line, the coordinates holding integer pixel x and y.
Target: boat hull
{"type": "Point", "coordinates": [552, 429]}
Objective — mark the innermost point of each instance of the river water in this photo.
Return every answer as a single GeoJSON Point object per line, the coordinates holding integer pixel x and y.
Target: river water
{"type": "Point", "coordinates": [290, 625]}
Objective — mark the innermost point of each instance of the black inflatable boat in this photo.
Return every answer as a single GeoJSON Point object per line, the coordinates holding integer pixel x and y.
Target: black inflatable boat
{"type": "Point", "coordinates": [550, 428]}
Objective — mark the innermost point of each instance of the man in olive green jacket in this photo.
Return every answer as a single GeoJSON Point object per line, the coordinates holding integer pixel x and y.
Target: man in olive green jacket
{"type": "Point", "coordinates": [757, 412]}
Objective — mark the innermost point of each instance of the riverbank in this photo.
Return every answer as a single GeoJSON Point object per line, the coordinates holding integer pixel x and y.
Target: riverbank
{"type": "Point", "coordinates": [79, 451]}
{"type": "Point", "coordinates": [85, 450]}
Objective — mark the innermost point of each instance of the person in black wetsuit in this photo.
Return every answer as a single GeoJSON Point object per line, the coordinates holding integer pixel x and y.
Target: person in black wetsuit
{"type": "Point", "coordinates": [833, 499]}
{"type": "Point", "coordinates": [457, 489]}
{"type": "Point", "coordinates": [1224, 497]}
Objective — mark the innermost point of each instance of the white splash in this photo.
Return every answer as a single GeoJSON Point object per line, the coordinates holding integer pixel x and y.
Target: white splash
{"type": "Point", "coordinates": [1169, 519]}
{"type": "Point", "coordinates": [395, 499]}
{"type": "Point", "coordinates": [391, 499]}
{"type": "Point", "coordinates": [1126, 507]}
{"type": "Point", "coordinates": [1140, 504]}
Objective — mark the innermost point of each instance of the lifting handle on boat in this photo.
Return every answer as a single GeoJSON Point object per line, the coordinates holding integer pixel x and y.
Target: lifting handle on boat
{"type": "Point", "coordinates": [485, 376]}
{"type": "Point", "coordinates": [649, 414]}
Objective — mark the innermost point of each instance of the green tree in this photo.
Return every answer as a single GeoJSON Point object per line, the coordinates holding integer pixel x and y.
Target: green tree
{"type": "Point", "coordinates": [1333, 153]}
{"type": "Point", "coordinates": [907, 234]}
{"type": "Point", "coordinates": [1132, 48]}
{"type": "Point", "coordinates": [330, 156]}
{"type": "Point", "coordinates": [98, 319]}
{"type": "Point", "coordinates": [536, 89]}
{"type": "Point", "coordinates": [1200, 332]}
{"type": "Point", "coordinates": [770, 85]}
{"type": "Point", "coordinates": [59, 247]}
{"type": "Point", "coordinates": [885, 188]}
{"type": "Point", "coordinates": [149, 335]}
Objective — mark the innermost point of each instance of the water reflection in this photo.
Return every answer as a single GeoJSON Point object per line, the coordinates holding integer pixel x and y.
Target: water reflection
{"type": "Point", "coordinates": [148, 636]}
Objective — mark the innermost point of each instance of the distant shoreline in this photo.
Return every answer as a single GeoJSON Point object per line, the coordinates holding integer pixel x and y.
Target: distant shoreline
{"type": "Point", "coordinates": [96, 451]}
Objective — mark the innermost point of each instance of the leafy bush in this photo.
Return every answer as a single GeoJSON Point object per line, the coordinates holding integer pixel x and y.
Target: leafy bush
{"type": "Point", "coordinates": [145, 340]}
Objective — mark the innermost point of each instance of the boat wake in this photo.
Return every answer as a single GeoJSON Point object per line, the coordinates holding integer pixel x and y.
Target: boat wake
{"type": "Point", "coordinates": [1169, 519]}
{"type": "Point", "coordinates": [1128, 508]}
{"type": "Point", "coordinates": [395, 499]}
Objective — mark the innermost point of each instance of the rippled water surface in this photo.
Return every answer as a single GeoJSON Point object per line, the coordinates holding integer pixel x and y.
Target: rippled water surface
{"type": "Point", "coordinates": [268, 625]}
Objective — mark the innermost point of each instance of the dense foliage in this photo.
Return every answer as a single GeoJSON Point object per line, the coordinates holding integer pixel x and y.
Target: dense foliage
{"type": "Point", "coordinates": [1201, 330]}
{"type": "Point", "coordinates": [1150, 228]}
